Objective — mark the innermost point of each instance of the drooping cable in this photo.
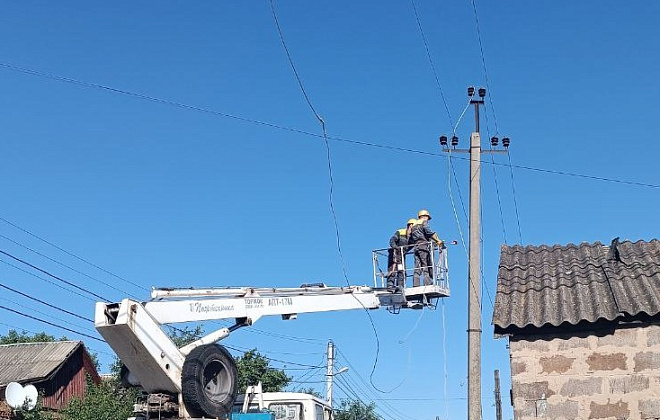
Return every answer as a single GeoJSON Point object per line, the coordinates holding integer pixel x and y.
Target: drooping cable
{"type": "Point", "coordinates": [331, 189]}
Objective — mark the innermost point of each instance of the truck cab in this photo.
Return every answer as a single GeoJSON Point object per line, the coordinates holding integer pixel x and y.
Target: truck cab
{"type": "Point", "coordinates": [285, 406]}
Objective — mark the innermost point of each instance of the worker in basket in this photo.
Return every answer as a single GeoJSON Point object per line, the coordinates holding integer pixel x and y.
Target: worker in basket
{"type": "Point", "coordinates": [396, 277]}
{"type": "Point", "coordinates": [421, 236]}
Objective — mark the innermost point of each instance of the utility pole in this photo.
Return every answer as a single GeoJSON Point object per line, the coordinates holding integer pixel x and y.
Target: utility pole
{"type": "Point", "coordinates": [474, 286]}
{"type": "Point", "coordinates": [474, 265]}
{"type": "Point", "coordinates": [329, 372]}
{"type": "Point", "coordinates": [498, 396]}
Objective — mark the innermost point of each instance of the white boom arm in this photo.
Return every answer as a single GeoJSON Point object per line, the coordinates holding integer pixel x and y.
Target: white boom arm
{"type": "Point", "coordinates": [133, 329]}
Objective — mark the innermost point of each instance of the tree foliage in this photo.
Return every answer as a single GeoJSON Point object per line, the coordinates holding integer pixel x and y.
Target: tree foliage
{"type": "Point", "coordinates": [37, 413]}
{"type": "Point", "coordinates": [105, 401]}
{"type": "Point", "coordinates": [254, 368]}
{"type": "Point", "coordinates": [14, 337]}
{"type": "Point", "coordinates": [185, 335]}
{"type": "Point", "coordinates": [356, 410]}
{"type": "Point", "coordinates": [312, 391]}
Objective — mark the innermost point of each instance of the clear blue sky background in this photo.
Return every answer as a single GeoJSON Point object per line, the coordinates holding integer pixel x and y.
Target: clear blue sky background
{"type": "Point", "coordinates": [167, 196]}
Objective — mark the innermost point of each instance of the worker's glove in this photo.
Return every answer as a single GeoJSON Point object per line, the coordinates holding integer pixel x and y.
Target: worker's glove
{"type": "Point", "coordinates": [441, 244]}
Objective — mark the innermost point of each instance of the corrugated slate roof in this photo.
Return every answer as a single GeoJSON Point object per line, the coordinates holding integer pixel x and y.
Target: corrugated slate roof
{"type": "Point", "coordinates": [540, 286]}
{"type": "Point", "coordinates": [33, 361]}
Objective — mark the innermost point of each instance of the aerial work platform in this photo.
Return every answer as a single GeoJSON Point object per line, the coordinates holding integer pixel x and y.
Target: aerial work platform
{"type": "Point", "coordinates": [426, 292]}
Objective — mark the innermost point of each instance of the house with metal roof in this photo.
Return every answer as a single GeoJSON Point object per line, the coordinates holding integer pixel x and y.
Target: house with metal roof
{"type": "Point", "coordinates": [57, 369]}
{"type": "Point", "coordinates": [583, 324]}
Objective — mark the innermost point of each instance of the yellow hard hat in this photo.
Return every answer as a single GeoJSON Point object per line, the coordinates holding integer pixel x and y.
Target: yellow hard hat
{"type": "Point", "coordinates": [411, 222]}
{"type": "Point", "coordinates": [424, 212]}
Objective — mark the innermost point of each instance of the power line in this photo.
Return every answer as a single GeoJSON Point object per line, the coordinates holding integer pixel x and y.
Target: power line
{"type": "Point", "coordinates": [69, 252]}
{"type": "Point", "coordinates": [515, 202]}
{"type": "Point", "coordinates": [299, 131]}
{"type": "Point", "coordinates": [483, 63]}
{"type": "Point", "coordinates": [45, 314]}
{"type": "Point", "coordinates": [331, 181]}
{"type": "Point", "coordinates": [50, 323]}
{"type": "Point", "coordinates": [45, 303]}
{"type": "Point", "coordinates": [62, 264]}
{"type": "Point", "coordinates": [428, 55]}
{"type": "Point", "coordinates": [53, 275]}
{"type": "Point", "coordinates": [47, 281]}
{"type": "Point", "coordinates": [24, 330]}
{"type": "Point", "coordinates": [497, 185]}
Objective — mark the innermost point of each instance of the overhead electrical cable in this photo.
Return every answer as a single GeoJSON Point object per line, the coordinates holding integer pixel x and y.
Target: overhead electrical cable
{"type": "Point", "coordinates": [497, 186]}
{"type": "Point", "coordinates": [492, 106]}
{"type": "Point", "coordinates": [331, 189]}
{"type": "Point", "coordinates": [369, 394]}
{"type": "Point", "coordinates": [483, 64]}
{"type": "Point", "coordinates": [325, 137]}
{"type": "Point", "coordinates": [428, 55]}
{"type": "Point", "coordinates": [45, 303]}
{"type": "Point", "coordinates": [307, 133]}
{"type": "Point", "coordinates": [62, 264]}
{"type": "Point", "coordinates": [50, 316]}
{"type": "Point", "coordinates": [244, 350]}
{"type": "Point", "coordinates": [53, 276]}
{"type": "Point", "coordinates": [47, 281]}
{"type": "Point", "coordinates": [51, 323]}
{"type": "Point", "coordinates": [515, 202]}
{"type": "Point", "coordinates": [15, 328]}
{"type": "Point", "coordinates": [71, 254]}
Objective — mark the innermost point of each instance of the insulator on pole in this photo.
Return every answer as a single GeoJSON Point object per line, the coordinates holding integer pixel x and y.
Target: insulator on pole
{"type": "Point", "coordinates": [443, 140]}
{"type": "Point", "coordinates": [454, 141]}
{"type": "Point", "coordinates": [494, 141]}
{"type": "Point", "coordinates": [505, 142]}
{"type": "Point", "coordinates": [482, 92]}
{"type": "Point", "coordinates": [470, 91]}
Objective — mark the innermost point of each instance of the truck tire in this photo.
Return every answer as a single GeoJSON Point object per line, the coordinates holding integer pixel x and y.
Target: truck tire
{"type": "Point", "coordinates": [209, 381]}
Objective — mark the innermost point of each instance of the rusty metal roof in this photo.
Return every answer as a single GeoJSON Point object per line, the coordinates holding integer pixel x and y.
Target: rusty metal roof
{"type": "Point", "coordinates": [552, 286]}
{"type": "Point", "coordinates": [32, 362]}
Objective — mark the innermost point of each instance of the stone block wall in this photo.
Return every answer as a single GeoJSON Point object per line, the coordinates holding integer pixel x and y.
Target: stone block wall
{"type": "Point", "coordinates": [613, 376]}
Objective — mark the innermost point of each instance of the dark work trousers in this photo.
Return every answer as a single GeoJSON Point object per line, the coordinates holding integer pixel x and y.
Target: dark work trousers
{"type": "Point", "coordinates": [423, 265]}
{"type": "Point", "coordinates": [393, 260]}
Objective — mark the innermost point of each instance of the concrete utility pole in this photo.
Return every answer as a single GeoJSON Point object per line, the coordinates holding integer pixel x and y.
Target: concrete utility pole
{"type": "Point", "coordinates": [474, 266]}
{"type": "Point", "coordinates": [498, 396]}
{"type": "Point", "coordinates": [329, 372]}
{"type": "Point", "coordinates": [474, 279]}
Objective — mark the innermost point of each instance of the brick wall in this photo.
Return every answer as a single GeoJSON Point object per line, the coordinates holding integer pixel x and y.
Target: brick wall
{"type": "Point", "coordinates": [612, 376]}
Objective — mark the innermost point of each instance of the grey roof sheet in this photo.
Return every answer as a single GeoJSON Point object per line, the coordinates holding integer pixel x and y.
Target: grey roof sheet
{"type": "Point", "coordinates": [544, 285]}
{"type": "Point", "coordinates": [33, 361]}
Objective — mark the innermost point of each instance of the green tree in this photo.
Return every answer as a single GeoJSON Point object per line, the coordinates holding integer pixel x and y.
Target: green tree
{"type": "Point", "coordinates": [105, 401]}
{"type": "Point", "coordinates": [185, 335]}
{"type": "Point", "coordinates": [312, 391]}
{"type": "Point", "coordinates": [14, 337]}
{"type": "Point", "coordinates": [253, 368]}
{"type": "Point", "coordinates": [356, 410]}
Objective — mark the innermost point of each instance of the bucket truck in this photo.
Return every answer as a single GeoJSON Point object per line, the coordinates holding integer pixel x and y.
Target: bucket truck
{"type": "Point", "coordinates": [199, 380]}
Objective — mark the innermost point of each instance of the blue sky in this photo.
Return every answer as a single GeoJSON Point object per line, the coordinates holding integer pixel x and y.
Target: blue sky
{"type": "Point", "coordinates": [164, 195]}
